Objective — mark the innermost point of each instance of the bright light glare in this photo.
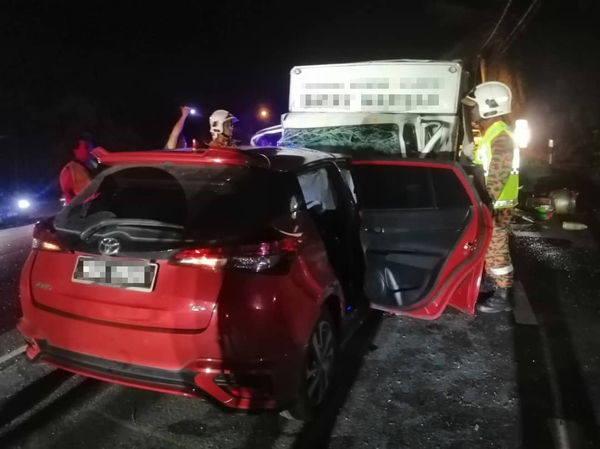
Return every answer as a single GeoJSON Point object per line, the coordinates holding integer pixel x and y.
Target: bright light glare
{"type": "Point", "coordinates": [203, 261]}
{"type": "Point", "coordinates": [264, 113]}
{"type": "Point", "coordinates": [193, 111]}
{"type": "Point", "coordinates": [23, 204]}
{"type": "Point", "coordinates": [522, 133]}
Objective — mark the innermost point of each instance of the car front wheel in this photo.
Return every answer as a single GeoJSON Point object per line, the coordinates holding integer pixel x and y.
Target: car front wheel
{"type": "Point", "coordinates": [318, 372]}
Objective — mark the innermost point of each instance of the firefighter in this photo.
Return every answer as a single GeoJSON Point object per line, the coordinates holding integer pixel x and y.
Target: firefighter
{"type": "Point", "coordinates": [77, 174]}
{"type": "Point", "coordinates": [498, 156]}
{"type": "Point", "coordinates": [221, 128]}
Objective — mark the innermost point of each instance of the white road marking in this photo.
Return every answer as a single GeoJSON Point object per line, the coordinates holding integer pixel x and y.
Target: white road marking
{"type": "Point", "coordinates": [567, 434]}
{"type": "Point", "coordinates": [16, 352]}
{"type": "Point", "coordinates": [560, 433]}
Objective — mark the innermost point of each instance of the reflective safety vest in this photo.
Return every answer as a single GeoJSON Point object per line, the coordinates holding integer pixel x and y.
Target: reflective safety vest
{"type": "Point", "coordinates": [483, 156]}
{"type": "Point", "coordinates": [79, 174]}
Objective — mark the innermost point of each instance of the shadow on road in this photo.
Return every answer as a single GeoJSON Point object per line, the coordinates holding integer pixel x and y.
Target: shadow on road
{"type": "Point", "coordinates": [34, 394]}
{"type": "Point", "coordinates": [555, 403]}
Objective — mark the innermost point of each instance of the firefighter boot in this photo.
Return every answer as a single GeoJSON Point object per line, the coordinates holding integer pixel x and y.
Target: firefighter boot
{"type": "Point", "coordinates": [500, 301]}
{"type": "Point", "coordinates": [488, 285]}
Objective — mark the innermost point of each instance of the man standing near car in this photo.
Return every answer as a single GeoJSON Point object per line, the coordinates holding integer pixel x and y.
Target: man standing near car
{"type": "Point", "coordinates": [499, 157]}
{"type": "Point", "coordinates": [77, 174]}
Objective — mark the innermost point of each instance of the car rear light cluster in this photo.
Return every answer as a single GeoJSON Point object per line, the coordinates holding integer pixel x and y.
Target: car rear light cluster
{"type": "Point", "coordinates": [201, 257]}
{"type": "Point", "coordinates": [259, 257]}
{"type": "Point", "coordinates": [44, 239]}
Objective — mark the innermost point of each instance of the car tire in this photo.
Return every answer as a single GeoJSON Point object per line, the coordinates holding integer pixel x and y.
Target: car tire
{"type": "Point", "coordinates": [318, 370]}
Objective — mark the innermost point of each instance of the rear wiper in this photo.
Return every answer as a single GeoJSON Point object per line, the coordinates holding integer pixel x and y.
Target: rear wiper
{"type": "Point", "coordinates": [126, 222]}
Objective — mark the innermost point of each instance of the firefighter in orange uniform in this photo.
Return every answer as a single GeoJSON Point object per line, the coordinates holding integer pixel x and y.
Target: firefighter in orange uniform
{"type": "Point", "coordinates": [77, 174]}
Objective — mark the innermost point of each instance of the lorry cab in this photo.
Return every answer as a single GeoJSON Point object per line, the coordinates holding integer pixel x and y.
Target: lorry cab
{"type": "Point", "coordinates": [404, 108]}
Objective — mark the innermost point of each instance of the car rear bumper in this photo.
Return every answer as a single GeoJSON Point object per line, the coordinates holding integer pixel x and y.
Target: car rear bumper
{"type": "Point", "coordinates": [248, 384]}
{"type": "Point", "coordinates": [176, 382]}
{"type": "Point", "coordinates": [248, 357]}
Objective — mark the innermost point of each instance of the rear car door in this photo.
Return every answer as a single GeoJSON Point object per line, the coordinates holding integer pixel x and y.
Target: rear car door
{"type": "Point", "coordinates": [424, 233]}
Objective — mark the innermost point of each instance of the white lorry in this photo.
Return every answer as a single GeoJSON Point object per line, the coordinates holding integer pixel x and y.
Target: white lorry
{"type": "Point", "coordinates": [403, 107]}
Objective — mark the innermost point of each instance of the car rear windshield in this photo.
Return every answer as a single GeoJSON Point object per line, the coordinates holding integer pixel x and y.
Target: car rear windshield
{"type": "Point", "coordinates": [206, 202]}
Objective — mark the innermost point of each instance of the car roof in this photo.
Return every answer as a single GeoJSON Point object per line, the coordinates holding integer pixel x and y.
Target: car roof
{"type": "Point", "coordinates": [275, 158]}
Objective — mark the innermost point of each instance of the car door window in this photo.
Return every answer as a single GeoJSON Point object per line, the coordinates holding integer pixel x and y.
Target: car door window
{"type": "Point", "coordinates": [393, 187]}
{"type": "Point", "coordinates": [449, 191]}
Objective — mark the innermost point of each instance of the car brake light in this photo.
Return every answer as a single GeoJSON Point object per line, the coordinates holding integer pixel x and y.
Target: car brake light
{"type": "Point", "coordinates": [202, 257]}
{"type": "Point", "coordinates": [44, 239]}
{"type": "Point", "coordinates": [258, 257]}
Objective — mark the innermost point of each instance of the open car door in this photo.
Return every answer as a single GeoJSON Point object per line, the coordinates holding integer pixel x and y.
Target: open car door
{"type": "Point", "coordinates": [424, 232]}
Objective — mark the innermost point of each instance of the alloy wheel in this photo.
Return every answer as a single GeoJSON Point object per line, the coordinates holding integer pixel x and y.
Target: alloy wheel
{"type": "Point", "coordinates": [320, 364]}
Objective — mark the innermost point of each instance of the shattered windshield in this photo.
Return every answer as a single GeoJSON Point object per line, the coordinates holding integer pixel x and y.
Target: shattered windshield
{"type": "Point", "coordinates": [380, 138]}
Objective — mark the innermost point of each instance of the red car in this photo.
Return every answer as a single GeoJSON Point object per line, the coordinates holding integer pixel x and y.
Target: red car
{"type": "Point", "coordinates": [235, 274]}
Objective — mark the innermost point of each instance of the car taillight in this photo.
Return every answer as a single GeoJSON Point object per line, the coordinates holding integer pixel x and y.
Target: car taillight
{"type": "Point", "coordinates": [258, 257]}
{"type": "Point", "coordinates": [201, 257]}
{"type": "Point", "coordinates": [44, 239]}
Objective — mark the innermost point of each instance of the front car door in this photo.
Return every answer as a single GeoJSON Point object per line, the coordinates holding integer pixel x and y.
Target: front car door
{"type": "Point", "coordinates": [424, 233]}
{"type": "Point", "coordinates": [331, 204]}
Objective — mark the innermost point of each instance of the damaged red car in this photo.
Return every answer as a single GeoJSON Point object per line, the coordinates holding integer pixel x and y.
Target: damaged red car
{"type": "Point", "coordinates": [237, 274]}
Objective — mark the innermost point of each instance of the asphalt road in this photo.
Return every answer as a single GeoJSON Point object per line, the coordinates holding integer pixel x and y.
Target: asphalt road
{"type": "Point", "coordinates": [528, 379]}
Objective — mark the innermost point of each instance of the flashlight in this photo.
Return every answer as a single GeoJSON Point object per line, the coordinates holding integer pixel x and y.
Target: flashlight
{"type": "Point", "coordinates": [193, 111]}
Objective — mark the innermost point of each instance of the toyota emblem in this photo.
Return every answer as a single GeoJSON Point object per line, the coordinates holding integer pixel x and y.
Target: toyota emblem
{"type": "Point", "coordinates": [109, 246]}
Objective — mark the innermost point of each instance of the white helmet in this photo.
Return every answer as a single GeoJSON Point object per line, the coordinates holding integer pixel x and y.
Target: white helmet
{"type": "Point", "coordinates": [217, 119]}
{"type": "Point", "coordinates": [493, 99]}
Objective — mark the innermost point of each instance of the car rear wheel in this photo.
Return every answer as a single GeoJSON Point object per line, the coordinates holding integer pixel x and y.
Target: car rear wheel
{"type": "Point", "coordinates": [318, 371]}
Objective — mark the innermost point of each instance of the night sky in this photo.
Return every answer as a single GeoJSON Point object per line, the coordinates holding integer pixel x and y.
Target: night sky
{"type": "Point", "coordinates": [119, 70]}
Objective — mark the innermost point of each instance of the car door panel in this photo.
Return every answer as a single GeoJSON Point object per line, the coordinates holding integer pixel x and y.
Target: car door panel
{"type": "Point", "coordinates": [421, 258]}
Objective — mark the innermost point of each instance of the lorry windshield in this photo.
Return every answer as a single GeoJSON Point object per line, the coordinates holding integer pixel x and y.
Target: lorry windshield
{"type": "Point", "coordinates": [377, 138]}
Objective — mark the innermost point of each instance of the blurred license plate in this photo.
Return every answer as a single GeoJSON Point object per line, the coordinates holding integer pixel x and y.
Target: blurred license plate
{"type": "Point", "coordinates": [130, 274]}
